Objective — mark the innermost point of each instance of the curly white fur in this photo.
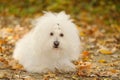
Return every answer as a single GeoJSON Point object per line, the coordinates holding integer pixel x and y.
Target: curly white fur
{"type": "Point", "coordinates": [35, 50]}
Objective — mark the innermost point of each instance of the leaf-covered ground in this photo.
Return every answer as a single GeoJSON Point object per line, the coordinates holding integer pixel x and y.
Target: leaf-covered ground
{"type": "Point", "coordinates": [99, 26]}
{"type": "Point", "coordinates": [100, 58]}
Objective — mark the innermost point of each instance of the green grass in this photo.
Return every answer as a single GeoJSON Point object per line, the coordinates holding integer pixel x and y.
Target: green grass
{"type": "Point", "coordinates": [97, 8]}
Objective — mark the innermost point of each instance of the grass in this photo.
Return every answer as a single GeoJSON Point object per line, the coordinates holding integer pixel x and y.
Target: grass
{"type": "Point", "coordinates": [110, 10]}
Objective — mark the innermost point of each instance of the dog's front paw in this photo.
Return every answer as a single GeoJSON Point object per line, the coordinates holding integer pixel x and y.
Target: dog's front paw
{"type": "Point", "coordinates": [69, 67]}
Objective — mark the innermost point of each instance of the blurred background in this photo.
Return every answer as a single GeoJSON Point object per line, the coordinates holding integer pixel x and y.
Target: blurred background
{"type": "Point", "coordinates": [98, 22]}
{"type": "Point", "coordinates": [92, 11]}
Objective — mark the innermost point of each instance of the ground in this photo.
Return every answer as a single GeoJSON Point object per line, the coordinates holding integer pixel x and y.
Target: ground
{"type": "Point", "coordinates": [99, 60]}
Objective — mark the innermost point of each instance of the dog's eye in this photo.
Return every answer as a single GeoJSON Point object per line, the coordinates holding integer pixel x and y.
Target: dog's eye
{"type": "Point", "coordinates": [61, 34]}
{"type": "Point", "coordinates": [51, 34]}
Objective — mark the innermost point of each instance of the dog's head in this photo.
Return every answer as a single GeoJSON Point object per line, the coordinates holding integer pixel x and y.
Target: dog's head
{"type": "Point", "coordinates": [57, 32]}
{"type": "Point", "coordinates": [56, 37]}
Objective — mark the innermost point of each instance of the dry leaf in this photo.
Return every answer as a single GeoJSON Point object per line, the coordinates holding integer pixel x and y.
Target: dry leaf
{"type": "Point", "coordinates": [3, 60]}
{"type": "Point", "coordinates": [0, 49]}
{"type": "Point", "coordinates": [113, 71]}
{"type": "Point", "coordinates": [86, 59]}
{"type": "Point", "coordinates": [10, 38]}
{"type": "Point", "coordinates": [15, 65]}
{"type": "Point", "coordinates": [49, 75]}
{"type": "Point", "coordinates": [1, 41]}
{"type": "Point", "coordinates": [102, 61]}
{"type": "Point", "coordinates": [2, 75]}
{"type": "Point", "coordinates": [10, 30]}
{"type": "Point", "coordinates": [105, 51]}
{"type": "Point", "coordinates": [82, 34]}
{"type": "Point", "coordinates": [18, 66]}
{"type": "Point", "coordinates": [28, 78]}
{"type": "Point", "coordinates": [85, 56]}
{"type": "Point", "coordinates": [84, 68]}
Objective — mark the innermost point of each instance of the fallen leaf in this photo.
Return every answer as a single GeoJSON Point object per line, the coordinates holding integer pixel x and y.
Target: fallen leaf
{"type": "Point", "coordinates": [9, 37]}
{"type": "Point", "coordinates": [105, 51]}
{"type": "Point", "coordinates": [74, 77]}
{"type": "Point", "coordinates": [86, 59]}
{"type": "Point", "coordinates": [15, 65]}
{"type": "Point", "coordinates": [3, 60]}
{"type": "Point", "coordinates": [113, 71]}
{"type": "Point", "coordinates": [85, 56]}
{"type": "Point", "coordinates": [28, 78]}
{"type": "Point", "coordinates": [49, 75]}
{"type": "Point", "coordinates": [85, 53]}
{"type": "Point", "coordinates": [18, 66]}
{"type": "Point", "coordinates": [1, 41]}
{"type": "Point", "coordinates": [83, 68]}
{"type": "Point", "coordinates": [102, 61]}
{"type": "Point", "coordinates": [10, 30]}
{"type": "Point", "coordinates": [2, 75]}
{"type": "Point", "coordinates": [0, 49]}
{"type": "Point", "coordinates": [82, 34]}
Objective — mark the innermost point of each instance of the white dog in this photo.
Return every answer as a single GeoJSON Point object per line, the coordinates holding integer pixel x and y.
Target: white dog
{"type": "Point", "coordinates": [52, 44]}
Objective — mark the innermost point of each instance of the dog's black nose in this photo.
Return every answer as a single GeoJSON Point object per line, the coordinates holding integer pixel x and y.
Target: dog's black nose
{"type": "Point", "coordinates": [56, 44]}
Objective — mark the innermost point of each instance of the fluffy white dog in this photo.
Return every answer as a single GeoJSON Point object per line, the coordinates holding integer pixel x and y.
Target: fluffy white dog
{"type": "Point", "coordinates": [52, 44]}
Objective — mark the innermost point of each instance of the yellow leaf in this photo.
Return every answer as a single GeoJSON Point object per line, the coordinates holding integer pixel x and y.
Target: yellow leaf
{"type": "Point", "coordinates": [86, 59]}
{"type": "Point", "coordinates": [18, 66]}
{"type": "Point", "coordinates": [85, 56]}
{"type": "Point", "coordinates": [10, 30]}
{"type": "Point", "coordinates": [10, 38]}
{"type": "Point", "coordinates": [113, 71]}
{"type": "Point", "coordinates": [104, 51]}
{"type": "Point", "coordinates": [82, 34]}
{"type": "Point", "coordinates": [102, 61]}
{"type": "Point", "coordinates": [1, 41]}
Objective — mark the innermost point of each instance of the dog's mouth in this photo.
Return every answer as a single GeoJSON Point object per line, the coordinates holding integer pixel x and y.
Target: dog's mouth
{"type": "Point", "coordinates": [55, 47]}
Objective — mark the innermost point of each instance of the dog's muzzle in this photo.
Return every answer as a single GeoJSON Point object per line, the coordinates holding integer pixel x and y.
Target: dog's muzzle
{"type": "Point", "coordinates": [56, 44]}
